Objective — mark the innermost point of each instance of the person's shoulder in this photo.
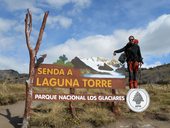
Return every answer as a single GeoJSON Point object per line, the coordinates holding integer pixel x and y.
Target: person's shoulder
{"type": "Point", "coordinates": [127, 44]}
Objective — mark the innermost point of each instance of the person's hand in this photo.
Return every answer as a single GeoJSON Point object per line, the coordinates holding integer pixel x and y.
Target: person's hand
{"type": "Point", "coordinates": [140, 63]}
{"type": "Point", "coordinates": [114, 53]}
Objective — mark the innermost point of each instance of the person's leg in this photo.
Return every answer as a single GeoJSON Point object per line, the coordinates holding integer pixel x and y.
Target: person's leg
{"type": "Point", "coordinates": [130, 70]}
{"type": "Point", "coordinates": [135, 74]}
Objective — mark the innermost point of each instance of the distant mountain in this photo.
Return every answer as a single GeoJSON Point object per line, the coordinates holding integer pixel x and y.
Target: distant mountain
{"type": "Point", "coordinates": [12, 76]}
{"type": "Point", "coordinates": [156, 75]}
{"type": "Point", "coordinates": [159, 74]}
{"type": "Point", "coordinates": [98, 65]}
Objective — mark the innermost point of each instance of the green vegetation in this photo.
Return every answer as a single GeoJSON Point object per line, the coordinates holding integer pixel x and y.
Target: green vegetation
{"type": "Point", "coordinates": [85, 71]}
{"type": "Point", "coordinates": [63, 61]}
{"type": "Point", "coordinates": [11, 93]}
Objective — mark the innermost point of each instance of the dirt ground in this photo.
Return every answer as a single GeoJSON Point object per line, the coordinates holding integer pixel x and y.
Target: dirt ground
{"type": "Point", "coordinates": [11, 117]}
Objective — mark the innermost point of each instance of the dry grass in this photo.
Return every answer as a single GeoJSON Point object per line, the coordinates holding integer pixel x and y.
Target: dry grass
{"type": "Point", "coordinates": [11, 93]}
{"type": "Point", "coordinates": [56, 115]}
{"type": "Point", "coordinates": [88, 114]}
{"type": "Point", "coordinates": [52, 115]}
{"type": "Point", "coordinates": [159, 102]}
{"type": "Point", "coordinates": [93, 114]}
{"type": "Point", "coordinates": [97, 116]}
{"type": "Point", "coordinates": [160, 98]}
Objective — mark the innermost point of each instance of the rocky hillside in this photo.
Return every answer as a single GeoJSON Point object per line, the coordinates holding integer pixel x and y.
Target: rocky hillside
{"type": "Point", "coordinates": [12, 76]}
{"type": "Point", "coordinates": [157, 75]}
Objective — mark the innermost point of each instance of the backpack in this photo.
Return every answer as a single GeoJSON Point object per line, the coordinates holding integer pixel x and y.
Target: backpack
{"type": "Point", "coordinates": [122, 58]}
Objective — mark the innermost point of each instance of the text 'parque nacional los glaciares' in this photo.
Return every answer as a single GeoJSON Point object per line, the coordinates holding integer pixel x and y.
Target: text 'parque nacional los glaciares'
{"type": "Point", "coordinates": [78, 97]}
{"type": "Point", "coordinates": [48, 75]}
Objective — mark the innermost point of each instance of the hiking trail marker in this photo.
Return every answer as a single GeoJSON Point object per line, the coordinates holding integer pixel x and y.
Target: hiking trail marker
{"type": "Point", "coordinates": [54, 76]}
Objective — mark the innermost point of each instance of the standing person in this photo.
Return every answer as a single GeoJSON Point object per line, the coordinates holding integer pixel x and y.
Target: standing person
{"type": "Point", "coordinates": [133, 59]}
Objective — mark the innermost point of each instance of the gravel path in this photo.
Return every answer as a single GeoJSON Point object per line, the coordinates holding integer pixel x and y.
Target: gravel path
{"type": "Point", "coordinates": [11, 115]}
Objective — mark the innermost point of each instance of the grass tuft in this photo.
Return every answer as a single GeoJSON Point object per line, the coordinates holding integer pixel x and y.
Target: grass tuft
{"type": "Point", "coordinates": [11, 93]}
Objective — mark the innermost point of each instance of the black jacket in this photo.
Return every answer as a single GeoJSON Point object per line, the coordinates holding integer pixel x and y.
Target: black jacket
{"type": "Point", "coordinates": [132, 52]}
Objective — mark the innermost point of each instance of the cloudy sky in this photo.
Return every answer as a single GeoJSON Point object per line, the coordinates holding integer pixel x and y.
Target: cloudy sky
{"type": "Point", "coordinates": [84, 28]}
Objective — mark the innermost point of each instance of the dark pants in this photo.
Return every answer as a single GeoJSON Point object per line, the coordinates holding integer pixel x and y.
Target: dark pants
{"type": "Point", "coordinates": [133, 71]}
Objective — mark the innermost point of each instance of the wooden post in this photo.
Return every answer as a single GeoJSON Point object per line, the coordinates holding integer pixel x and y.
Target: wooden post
{"type": "Point", "coordinates": [115, 108]}
{"type": "Point", "coordinates": [71, 107]}
{"type": "Point", "coordinates": [32, 54]}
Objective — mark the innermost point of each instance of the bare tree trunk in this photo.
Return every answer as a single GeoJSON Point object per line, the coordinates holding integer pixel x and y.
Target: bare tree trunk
{"type": "Point", "coordinates": [32, 54]}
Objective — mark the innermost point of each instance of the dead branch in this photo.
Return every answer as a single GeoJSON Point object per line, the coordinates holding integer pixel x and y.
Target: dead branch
{"type": "Point", "coordinates": [32, 54]}
{"type": "Point", "coordinates": [27, 30]}
{"type": "Point", "coordinates": [41, 32]}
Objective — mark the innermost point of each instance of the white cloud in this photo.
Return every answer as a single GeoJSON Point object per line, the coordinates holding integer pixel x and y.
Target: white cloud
{"type": "Point", "coordinates": [6, 25]}
{"type": "Point", "coordinates": [20, 28]}
{"type": "Point", "coordinates": [79, 5]}
{"type": "Point", "coordinates": [12, 63]}
{"type": "Point", "coordinates": [82, 3]}
{"type": "Point", "coordinates": [10, 32]}
{"type": "Point", "coordinates": [6, 43]}
{"type": "Point", "coordinates": [57, 3]}
{"type": "Point", "coordinates": [15, 5]}
{"type": "Point", "coordinates": [154, 40]}
{"type": "Point", "coordinates": [59, 20]}
{"type": "Point", "coordinates": [34, 6]}
{"type": "Point", "coordinates": [61, 3]}
{"type": "Point", "coordinates": [65, 22]}
{"type": "Point", "coordinates": [157, 63]}
{"type": "Point", "coordinates": [90, 46]}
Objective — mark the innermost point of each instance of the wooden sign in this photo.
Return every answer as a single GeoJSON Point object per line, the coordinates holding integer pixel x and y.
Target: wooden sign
{"type": "Point", "coordinates": [51, 75]}
{"type": "Point", "coordinates": [77, 97]}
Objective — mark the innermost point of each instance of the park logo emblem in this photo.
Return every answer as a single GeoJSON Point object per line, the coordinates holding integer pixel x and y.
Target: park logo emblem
{"type": "Point", "coordinates": [137, 100]}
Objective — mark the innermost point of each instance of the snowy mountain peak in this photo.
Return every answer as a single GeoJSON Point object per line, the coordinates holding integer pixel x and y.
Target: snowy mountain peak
{"type": "Point", "coordinates": [102, 60]}
{"type": "Point", "coordinates": [100, 64]}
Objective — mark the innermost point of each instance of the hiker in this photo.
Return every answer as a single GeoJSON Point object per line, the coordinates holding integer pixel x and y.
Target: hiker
{"type": "Point", "coordinates": [133, 59]}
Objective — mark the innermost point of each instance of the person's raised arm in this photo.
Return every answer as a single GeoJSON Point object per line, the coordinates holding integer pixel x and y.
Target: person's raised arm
{"type": "Point", "coordinates": [119, 50]}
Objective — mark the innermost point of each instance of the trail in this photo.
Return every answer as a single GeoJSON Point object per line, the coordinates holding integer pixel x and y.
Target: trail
{"type": "Point", "coordinates": [11, 115]}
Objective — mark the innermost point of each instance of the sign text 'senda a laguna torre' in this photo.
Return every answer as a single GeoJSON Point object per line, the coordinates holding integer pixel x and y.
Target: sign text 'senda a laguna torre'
{"type": "Point", "coordinates": [48, 75]}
